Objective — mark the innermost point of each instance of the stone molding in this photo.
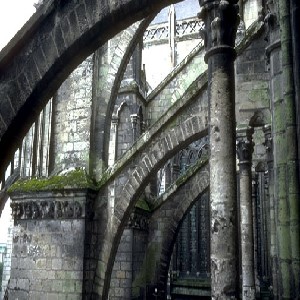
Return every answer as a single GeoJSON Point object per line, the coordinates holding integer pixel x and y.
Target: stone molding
{"type": "Point", "coordinates": [47, 209]}
{"type": "Point", "coordinates": [244, 145]}
{"type": "Point", "coordinates": [138, 220]}
{"type": "Point", "coordinates": [268, 142]}
{"type": "Point", "coordinates": [158, 32]}
{"type": "Point", "coordinates": [221, 22]}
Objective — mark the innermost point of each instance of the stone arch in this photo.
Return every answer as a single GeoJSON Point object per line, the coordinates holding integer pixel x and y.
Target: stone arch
{"type": "Point", "coordinates": [158, 152]}
{"type": "Point", "coordinates": [57, 38]}
{"type": "Point", "coordinates": [104, 96]}
{"type": "Point", "coordinates": [119, 109]}
{"type": "Point", "coordinates": [184, 122]}
{"type": "Point", "coordinates": [194, 188]}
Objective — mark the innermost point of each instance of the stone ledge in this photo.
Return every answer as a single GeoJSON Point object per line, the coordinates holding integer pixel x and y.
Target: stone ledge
{"type": "Point", "coordinates": [75, 179]}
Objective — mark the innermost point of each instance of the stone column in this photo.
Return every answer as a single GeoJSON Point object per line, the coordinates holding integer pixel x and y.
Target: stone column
{"type": "Point", "coordinates": [244, 152]}
{"type": "Point", "coordinates": [113, 151]}
{"type": "Point", "coordinates": [134, 120]}
{"type": "Point", "coordinates": [286, 181]}
{"type": "Point", "coordinates": [272, 234]}
{"type": "Point", "coordinates": [292, 159]}
{"type": "Point", "coordinates": [254, 221]}
{"type": "Point", "coordinates": [221, 21]}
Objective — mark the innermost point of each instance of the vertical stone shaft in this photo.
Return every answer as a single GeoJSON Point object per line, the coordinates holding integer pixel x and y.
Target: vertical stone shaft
{"type": "Point", "coordinates": [291, 134]}
{"type": "Point", "coordinates": [221, 20]}
{"type": "Point", "coordinates": [273, 249]}
{"type": "Point", "coordinates": [278, 105]}
{"type": "Point", "coordinates": [244, 152]}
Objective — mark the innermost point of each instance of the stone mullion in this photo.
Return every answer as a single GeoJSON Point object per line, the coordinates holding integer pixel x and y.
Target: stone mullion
{"type": "Point", "coordinates": [193, 241]}
{"type": "Point", "coordinates": [221, 20]}
{"type": "Point", "coordinates": [244, 152]}
{"type": "Point", "coordinates": [35, 147]}
{"type": "Point", "coordinates": [52, 138]}
{"type": "Point", "coordinates": [42, 142]}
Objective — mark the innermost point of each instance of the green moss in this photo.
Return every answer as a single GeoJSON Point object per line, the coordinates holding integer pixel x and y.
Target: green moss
{"type": "Point", "coordinates": [74, 179]}
{"type": "Point", "coordinates": [143, 204]}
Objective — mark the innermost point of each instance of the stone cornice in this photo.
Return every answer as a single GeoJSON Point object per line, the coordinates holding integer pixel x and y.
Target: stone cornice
{"type": "Point", "coordinates": [49, 205]}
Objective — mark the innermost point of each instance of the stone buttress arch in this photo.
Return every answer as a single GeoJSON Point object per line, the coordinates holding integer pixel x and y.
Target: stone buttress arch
{"type": "Point", "coordinates": [190, 191]}
{"type": "Point", "coordinates": [56, 39]}
{"type": "Point", "coordinates": [132, 179]}
{"type": "Point", "coordinates": [105, 90]}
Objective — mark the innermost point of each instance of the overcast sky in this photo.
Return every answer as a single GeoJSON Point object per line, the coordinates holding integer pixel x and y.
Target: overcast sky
{"type": "Point", "coordinates": [13, 15]}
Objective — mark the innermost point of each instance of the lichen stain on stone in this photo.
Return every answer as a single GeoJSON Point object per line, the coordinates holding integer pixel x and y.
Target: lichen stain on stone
{"type": "Point", "coordinates": [75, 179]}
{"type": "Point", "coordinates": [216, 226]}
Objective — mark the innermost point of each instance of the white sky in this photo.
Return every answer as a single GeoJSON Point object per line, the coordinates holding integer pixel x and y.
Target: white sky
{"type": "Point", "coordinates": [13, 15]}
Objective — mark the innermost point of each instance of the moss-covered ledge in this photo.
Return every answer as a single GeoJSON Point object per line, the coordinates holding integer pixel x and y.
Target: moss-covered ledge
{"type": "Point", "coordinates": [73, 179]}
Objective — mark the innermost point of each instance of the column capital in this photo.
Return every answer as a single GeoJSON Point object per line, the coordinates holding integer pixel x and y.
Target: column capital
{"type": "Point", "coordinates": [115, 120]}
{"type": "Point", "coordinates": [138, 220]}
{"type": "Point", "coordinates": [244, 145]}
{"type": "Point", "coordinates": [268, 143]}
{"type": "Point", "coordinates": [134, 118]}
{"type": "Point", "coordinates": [221, 20]}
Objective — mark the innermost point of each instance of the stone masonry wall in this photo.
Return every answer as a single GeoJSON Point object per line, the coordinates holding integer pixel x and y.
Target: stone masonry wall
{"type": "Point", "coordinates": [252, 93]}
{"type": "Point", "coordinates": [175, 84]}
{"type": "Point", "coordinates": [72, 113]}
{"type": "Point", "coordinates": [121, 278]}
{"type": "Point", "coordinates": [48, 245]}
{"type": "Point", "coordinates": [7, 262]}
{"type": "Point", "coordinates": [126, 279]}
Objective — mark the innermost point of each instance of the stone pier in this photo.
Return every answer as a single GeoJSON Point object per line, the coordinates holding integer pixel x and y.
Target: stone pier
{"type": "Point", "coordinates": [221, 20]}
{"type": "Point", "coordinates": [244, 152]}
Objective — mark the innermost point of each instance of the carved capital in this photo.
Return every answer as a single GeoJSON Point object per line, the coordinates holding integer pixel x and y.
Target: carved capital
{"type": "Point", "coordinates": [272, 23]}
{"type": "Point", "coordinates": [271, 14]}
{"type": "Point", "coordinates": [221, 21]}
{"type": "Point", "coordinates": [268, 142]}
{"type": "Point", "coordinates": [115, 120]}
{"type": "Point", "coordinates": [134, 119]}
{"type": "Point", "coordinates": [245, 145]}
{"type": "Point", "coordinates": [139, 221]}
